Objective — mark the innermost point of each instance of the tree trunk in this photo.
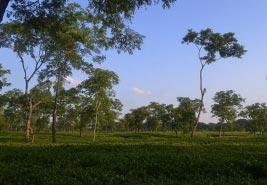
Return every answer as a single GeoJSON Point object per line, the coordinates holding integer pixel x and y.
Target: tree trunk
{"type": "Point", "coordinates": [29, 109]}
{"type": "Point", "coordinates": [202, 91]}
{"type": "Point", "coordinates": [96, 119]}
{"type": "Point", "coordinates": [54, 119]}
{"type": "Point", "coordinates": [81, 132]}
{"type": "Point", "coordinates": [221, 129]}
{"type": "Point", "coordinates": [29, 129]}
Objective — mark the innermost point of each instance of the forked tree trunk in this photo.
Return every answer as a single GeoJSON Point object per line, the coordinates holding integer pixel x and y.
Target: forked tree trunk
{"type": "Point", "coordinates": [30, 106]}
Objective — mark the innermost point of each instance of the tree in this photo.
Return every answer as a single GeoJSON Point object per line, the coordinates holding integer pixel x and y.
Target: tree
{"type": "Point", "coordinates": [98, 89]}
{"type": "Point", "coordinates": [41, 99]}
{"type": "Point", "coordinates": [138, 118]}
{"type": "Point", "coordinates": [3, 79]}
{"type": "Point", "coordinates": [185, 113]}
{"type": "Point", "coordinates": [227, 104]}
{"type": "Point", "coordinates": [211, 47]}
{"type": "Point", "coordinates": [257, 113]}
{"type": "Point", "coordinates": [13, 102]}
{"type": "Point", "coordinates": [32, 51]}
{"type": "Point", "coordinates": [155, 118]}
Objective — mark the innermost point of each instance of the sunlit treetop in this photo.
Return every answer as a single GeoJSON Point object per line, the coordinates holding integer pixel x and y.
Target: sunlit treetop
{"type": "Point", "coordinates": [215, 45]}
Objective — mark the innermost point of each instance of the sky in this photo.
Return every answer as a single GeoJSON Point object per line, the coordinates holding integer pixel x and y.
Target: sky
{"type": "Point", "coordinates": [165, 69]}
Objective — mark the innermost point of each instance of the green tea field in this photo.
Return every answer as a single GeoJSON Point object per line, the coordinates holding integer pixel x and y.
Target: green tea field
{"type": "Point", "coordinates": [129, 158]}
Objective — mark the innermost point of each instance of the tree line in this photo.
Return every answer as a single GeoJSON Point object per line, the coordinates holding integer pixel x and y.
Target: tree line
{"type": "Point", "coordinates": [53, 38]}
{"type": "Point", "coordinates": [91, 107]}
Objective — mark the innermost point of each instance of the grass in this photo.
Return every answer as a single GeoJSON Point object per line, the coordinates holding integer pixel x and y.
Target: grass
{"type": "Point", "coordinates": [129, 158]}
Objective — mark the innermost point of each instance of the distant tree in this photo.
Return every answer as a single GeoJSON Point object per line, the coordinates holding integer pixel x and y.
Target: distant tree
{"type": "Point", "coordinates": [168, 118]}
{"type": "Point", "coordinates": [138, 118]}
{"type": "Point", "coordinates": [186, 113]}
{"type": "Point", "coordinates": [257, 113]}
{"type": "Point", "coordinates": [243, 125]}
{"type": "Point", "coordinates": [226, 107]}
{"type": "Point", "coordinates": [98, 89]}
{"type": "Point", "coordinates": [211, 47]}
{"type": "Point", "coordinates": [13, 102]}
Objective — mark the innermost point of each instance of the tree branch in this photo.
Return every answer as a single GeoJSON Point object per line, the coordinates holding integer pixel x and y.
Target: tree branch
{"type": "Point", "coordinates": [3, 6]}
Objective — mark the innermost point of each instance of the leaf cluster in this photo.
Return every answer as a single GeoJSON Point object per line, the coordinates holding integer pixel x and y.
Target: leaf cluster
{"type": "Point", "coordinates": [215, 45]}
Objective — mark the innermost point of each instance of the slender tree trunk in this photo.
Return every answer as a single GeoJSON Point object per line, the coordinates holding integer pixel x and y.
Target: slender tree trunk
{"type": "Point", "coordinates": [29, 109]}
{"type": "Point", "coordinates": [29, 129]}
{"type": "Point", "coordinates": [202, 91]}
{"type": "Point", "coordinates": [54, 119]}
{"type": "Point", "coordinates": [96, 119]}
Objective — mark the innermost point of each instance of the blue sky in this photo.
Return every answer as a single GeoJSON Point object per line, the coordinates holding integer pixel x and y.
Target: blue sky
{"type": "Point", "coordinates": [165, 69]}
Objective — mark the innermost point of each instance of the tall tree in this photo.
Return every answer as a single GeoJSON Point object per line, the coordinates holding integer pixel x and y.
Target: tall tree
{"type": "Point", "coordinates": [211, 47]}
{"type": "Point", "coordinates": [31, 49]}
{"type": "Point", "coordinates": [227, 104]}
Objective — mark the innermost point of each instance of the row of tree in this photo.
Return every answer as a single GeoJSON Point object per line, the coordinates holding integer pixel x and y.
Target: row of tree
{"type": "Point", "coordinates": [86, 105]}
{"type": "Point", "coordinates": [92, 105]}
{"type": "Point", "coordinates": [227, 108]}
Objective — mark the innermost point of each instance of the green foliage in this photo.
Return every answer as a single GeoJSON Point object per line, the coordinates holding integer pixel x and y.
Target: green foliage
{"type": "Point", "coordinates": [186, 113]}
{"type": "Point", "coordinates": [216, 45]}
{"type": "Point", "coordinates": [257, 113]}
{"type": "Point", "coordinates": [13, 108]}
{"type": "Point", "coordinates": [3, 79]}
{"type": "Point", "coordinates": [211, 47]}
{"type": "Point", "coordinates": [226, 107]}
{"type": "Point", "coordinates": [128, 158]}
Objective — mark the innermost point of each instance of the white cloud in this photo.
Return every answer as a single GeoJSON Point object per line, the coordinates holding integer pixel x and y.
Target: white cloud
{"type": "Point", "coordinates": [139, 91]}
{"type": "Point", "coordinates": [72, 81]}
